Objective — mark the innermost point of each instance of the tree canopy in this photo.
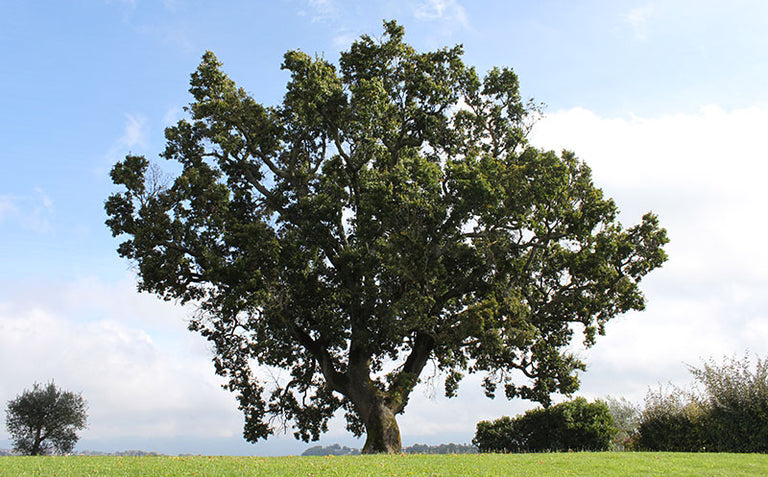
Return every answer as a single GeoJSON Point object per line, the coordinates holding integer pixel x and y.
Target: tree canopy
{"type": "Point", "coordinates": [388, 214]}
{"type": "Point", "coordinates": [45, 420]}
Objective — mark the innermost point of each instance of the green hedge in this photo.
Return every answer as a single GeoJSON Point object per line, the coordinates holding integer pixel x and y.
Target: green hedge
{"type": "Point", "coordinates": [671, 422]}
{"type": "Point", "coordinates": [572, 425]}
{"type": "Point", "coordinates": [728, 414]}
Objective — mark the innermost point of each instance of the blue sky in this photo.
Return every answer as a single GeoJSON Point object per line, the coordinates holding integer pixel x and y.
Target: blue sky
{"type": "Point", "coordinates": [666, 100]}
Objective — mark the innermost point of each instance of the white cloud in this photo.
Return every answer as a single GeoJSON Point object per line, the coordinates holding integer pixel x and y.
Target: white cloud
{"type": "Point", "coordinates": [430, 416]}
{"type": "Point", "coordinates": [172, 116]}
{"type": "Point", "coordinates": [39, 219]}
{"type": "Point", "coordinates": [45, 201]}
{"type": "Point", "coordinates": [703, 174]}
{"type": "Point", "coordinates": [141, 371]}
{"type": "Point", "coordinates": [135, 132]}
{"type": "Point", "coordinates": [449, 11]}
{"type": "Point", "coordinates": [31, 212]}
{"type": "Point", "coordinates": [344, 39]}
{"type": "Point", "coordinates": [638, 18]}
{"type": "Point", "coordinates": [712, 150]}
{"type": "Point", "coordinates": [322, 10]}
{"type": "Point", "coordinates": [133, 138]}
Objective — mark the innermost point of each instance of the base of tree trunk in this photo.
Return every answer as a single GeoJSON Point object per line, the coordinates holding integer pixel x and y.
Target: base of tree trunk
{"type": "Point", "coordinates": [383, 433]}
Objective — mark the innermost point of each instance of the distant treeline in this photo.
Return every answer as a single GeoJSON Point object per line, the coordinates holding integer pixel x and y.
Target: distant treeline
{"type": "Point", "coordinates": [128, 453]}
{"type": "Point", "coordinates": [441, 449]}
{"type": "Point", "coordinates": [336, 449]}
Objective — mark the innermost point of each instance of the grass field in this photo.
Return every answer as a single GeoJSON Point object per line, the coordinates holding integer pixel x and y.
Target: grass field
{"type": "Point", "coordinates": [566, 464]}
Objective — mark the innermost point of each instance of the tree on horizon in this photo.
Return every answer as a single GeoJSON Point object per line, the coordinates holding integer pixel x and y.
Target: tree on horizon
{"type": "Point", "coordinates": [45, 420]}
{"type": "Point", "coordinates": [388, 214]}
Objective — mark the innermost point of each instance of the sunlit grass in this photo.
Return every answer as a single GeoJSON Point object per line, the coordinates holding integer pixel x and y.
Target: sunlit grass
{"type": "Point", "coordinates": [560, 464]}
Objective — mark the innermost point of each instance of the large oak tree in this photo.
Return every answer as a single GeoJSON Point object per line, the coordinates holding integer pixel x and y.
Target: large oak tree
{"type": "Point", "coordinates": [388, 214]}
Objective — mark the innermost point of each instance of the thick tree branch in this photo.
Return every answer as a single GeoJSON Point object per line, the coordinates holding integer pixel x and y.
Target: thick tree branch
{"type": "Point", "coordinates": [336, 380]}
{"type": "Point", "coordinates": [408, 376]}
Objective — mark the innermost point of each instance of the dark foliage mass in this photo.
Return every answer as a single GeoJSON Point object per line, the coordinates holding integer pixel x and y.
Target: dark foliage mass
{"type": "Point", "coordinates": [575, 425]}
{"type": "Point", "coordinates": [671, 420]}
{"type": "Point", "coordinates": [728, 413]}
{"type": "Point", "coordinates": [45, 420]}
{"type": "Point", "coordinates": [388, 214]}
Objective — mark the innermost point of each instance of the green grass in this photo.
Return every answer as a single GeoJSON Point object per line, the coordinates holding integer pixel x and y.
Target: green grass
{"type": "Point", "coordinates": [564, 464]}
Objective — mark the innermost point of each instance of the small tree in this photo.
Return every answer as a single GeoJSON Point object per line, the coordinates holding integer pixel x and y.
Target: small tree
{"type": "Point", "coordinates": [44, 420]}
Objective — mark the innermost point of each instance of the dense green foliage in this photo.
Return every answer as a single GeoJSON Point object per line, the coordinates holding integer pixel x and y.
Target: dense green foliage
{"type": "Point", "coordinates": [388, 213]}
{"type": "Point", "coordinates": [45, 420]}
{"type": "Point", "coordinates": [607, 464]}
{"type": "Point", "coordinates": [671, 421]}
{"type": "Point", "coordinates": [736, 403]}
{"type": "Point", "coordinates": [572, 425]}
{"type": "Point", "coordinates": [728, 414]}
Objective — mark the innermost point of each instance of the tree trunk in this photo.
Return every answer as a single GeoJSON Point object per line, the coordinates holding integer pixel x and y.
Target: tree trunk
{"type": "Point", "coordinates": [373, 406]}
{"type": "Point", "coordinates": [382, 431]}
{"type": "Point", "coordinates": [38, 441]}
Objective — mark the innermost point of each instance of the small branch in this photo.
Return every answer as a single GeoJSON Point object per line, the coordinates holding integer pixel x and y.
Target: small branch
{"type": "Point", "coordinates": [256, 151]}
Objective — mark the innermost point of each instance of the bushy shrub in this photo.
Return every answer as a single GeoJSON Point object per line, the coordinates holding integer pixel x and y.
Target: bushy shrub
{"type": "Point", "coordinates": [728, 414]}
{"type": "Point", "coordinates": [497, 436]}
{"type": "Point", "coordinates": [572, 425]}
{"type": "Point", "coordinates": [737, 404]}
{"type": "Point", "coordinates": [671, 421]}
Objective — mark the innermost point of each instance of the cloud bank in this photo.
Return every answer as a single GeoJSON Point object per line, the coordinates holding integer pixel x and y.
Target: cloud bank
{"type": "Point", "coordinates": [130, 355]}
{"type": "Point", "coordinates": [703, 175]}
{"type": "Point", "coordinates": [146, 377]}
